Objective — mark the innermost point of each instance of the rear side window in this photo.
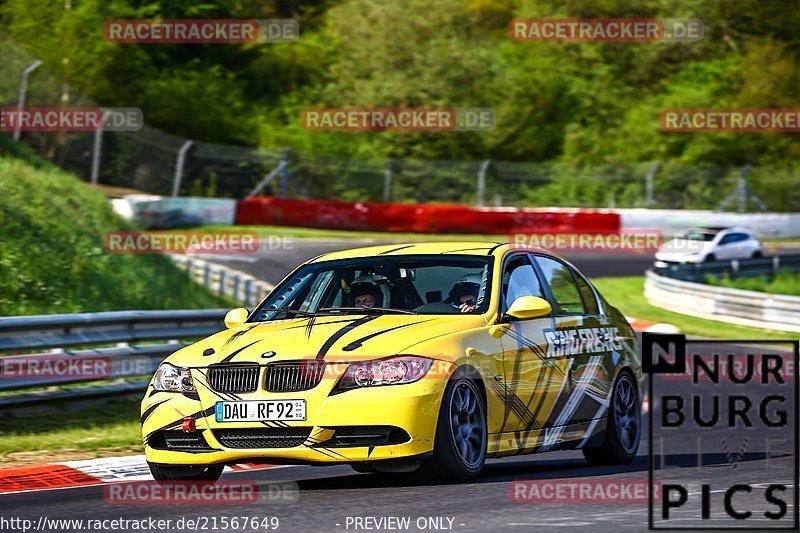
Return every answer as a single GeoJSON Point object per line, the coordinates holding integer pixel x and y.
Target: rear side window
{"type": "Point", "coordinates": [562, 285]}
{"type": "Point", "coordinates": [589, 301]}
{"type": "Point", "coordinates": [734, 237]}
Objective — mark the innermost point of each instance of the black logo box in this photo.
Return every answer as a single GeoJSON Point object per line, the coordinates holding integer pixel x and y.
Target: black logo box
{"type": "Point", "coordinates": [674, 346]}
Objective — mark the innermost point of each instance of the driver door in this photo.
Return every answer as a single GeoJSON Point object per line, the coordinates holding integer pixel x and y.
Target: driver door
{"type": "Point", "coordinates": [533, 382]}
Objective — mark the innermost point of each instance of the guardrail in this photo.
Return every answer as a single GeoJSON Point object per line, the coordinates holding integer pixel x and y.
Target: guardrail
{"type": "Point", "coordinates": [733, 268]}
{"type": "Point", "coordinates": [736, 306]}
{"type": "Point", "coordinates": [235, 284]}
{"type": "Point", "coordinates": [33, 355]}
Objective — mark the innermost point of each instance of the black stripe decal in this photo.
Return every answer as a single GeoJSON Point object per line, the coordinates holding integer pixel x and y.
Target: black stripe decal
{"type": "Point", "coordinates": [387, 252]}
{"type": "Point", "coordinates": [465, 250]}
{"type": "Point", "coordinates": [237, 352]}
{"type": "Point", "coordinates": [341, 333]}
{"type": "Point", "coordinates": [358, 342]}
{"type": "Point", "coordinates": [149, 410]}
{"type": "Point", "coordinates": [310, 326]}
{"type": "Point", "coordinates": [233, 338]}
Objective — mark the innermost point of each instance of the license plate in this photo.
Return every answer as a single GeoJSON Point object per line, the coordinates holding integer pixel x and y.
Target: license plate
{"type": "Point", "coordinates": [261, 410]}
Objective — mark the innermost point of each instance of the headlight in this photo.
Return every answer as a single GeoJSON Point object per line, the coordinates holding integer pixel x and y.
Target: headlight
{"type": "Point", "coordinates": [397, 370]}
{"type": "Point", "coordinates": [173, 379]}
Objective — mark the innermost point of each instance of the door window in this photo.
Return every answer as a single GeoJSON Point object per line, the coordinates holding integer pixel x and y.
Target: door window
{"type": "Point", "coordinates": [562, 285]}
{"type": "Point", "coordinates": [519, 279]}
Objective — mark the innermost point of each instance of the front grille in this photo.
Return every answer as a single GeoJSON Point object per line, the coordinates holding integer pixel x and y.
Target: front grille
{"type": "Point", "coordinates": [178, 440]}
{"type": "Point", "coordinates": [262, 437]}
{"type": "Point", "coordinates": [233, 378]}
{"type": "Point", "coordinates": [294, 376]}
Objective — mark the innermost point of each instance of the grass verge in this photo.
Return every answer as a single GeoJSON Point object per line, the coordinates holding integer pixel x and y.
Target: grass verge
{"type": "Point", "coordinates": [784, 282]}
{"type": "Point", "coordinates": [71, 431]}
{"type": "Point", "coordinates": [627, 295]}
{"type": "Point", "coordinates": [53, 260]}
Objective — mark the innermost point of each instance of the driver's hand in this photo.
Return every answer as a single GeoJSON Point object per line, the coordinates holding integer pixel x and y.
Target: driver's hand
{"type": "Point", "coordinates": [466, 308]}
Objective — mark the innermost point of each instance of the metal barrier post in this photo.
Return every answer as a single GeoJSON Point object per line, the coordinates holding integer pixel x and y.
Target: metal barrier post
{"type": "Point", "coordinates": [248, 291]}
{"type": "Point", "coordinates": [222, 280]}
{"type": "Point", "coordinates": [207, 275]}
{"type": "Point", "coordinates": [236, 286]}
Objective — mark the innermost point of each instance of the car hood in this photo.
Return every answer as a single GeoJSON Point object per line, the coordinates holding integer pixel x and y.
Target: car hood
{"type": "Point", "coordinates": [345, 337]}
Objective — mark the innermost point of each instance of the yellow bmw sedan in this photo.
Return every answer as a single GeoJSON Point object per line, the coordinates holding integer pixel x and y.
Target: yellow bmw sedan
{"type": "Point", "coordinates": [428, 357]}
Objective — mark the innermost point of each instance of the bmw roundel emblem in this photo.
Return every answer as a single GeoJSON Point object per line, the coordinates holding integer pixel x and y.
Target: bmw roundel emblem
{"type": "Point", "coordinates": [267, 355]}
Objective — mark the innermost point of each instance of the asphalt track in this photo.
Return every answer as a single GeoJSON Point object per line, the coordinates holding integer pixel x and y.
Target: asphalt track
{"type": "Point", "coordinates": [332, 498]}
{"type": "Point", "coordinates": [271, 264]}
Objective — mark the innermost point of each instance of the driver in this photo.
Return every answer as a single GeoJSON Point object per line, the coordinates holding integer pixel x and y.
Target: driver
{"type": "Point", "coordinates": [366, 293]}
{"type": "Point", "coordinates": [464, 293]}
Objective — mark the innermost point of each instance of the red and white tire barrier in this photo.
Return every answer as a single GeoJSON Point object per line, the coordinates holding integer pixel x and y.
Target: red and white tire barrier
{"type": "Point", "coordinates": [84, 473]}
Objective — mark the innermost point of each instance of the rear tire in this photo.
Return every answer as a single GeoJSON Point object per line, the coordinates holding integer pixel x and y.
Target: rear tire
{"type": "Point", "coordinates": [166, 476]}
{"type": "Point", "coordinates": [757, 254]}
{"type": "Point", "coordinates": [623, 427]}
{"type": "Point", "coordinates": [461, 436]}
{"type": "Point", "coordinates": [710, 258]}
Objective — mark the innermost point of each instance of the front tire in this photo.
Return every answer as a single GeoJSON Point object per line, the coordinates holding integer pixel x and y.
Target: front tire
{"type": "Point", "coordinates": [623, 428]}
{"type": "Point", "coordinates": [461, 435]}
{"type": "Point", "coordinates": [167, 476]}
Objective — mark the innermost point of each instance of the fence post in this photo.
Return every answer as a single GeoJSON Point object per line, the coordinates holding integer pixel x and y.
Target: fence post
{"type": "Point", "coordinates": [283, 172]}
{"type": "Point", "coordinates": [387, 182]}
{"type": "Point", "coordinates": [741, 193]}
{"type": "Point", "coordinates": [181, 161]}
{"type": "Point", "coordinates": [648, 184]}
{"type": "Point", "coordinates": [23, 94]}
{"type": "Point", "coordinates": [97, 150]}
{"type": "Point", "coordinates": [481, 186]}
{"type": "Point", "coordinates": [207, 275]}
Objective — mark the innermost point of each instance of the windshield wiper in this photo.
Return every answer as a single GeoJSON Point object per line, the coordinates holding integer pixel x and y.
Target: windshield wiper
{"type": "Point", "coordinates": [287, 311]}
{"type": "Point", "coordinates": [371, 310]}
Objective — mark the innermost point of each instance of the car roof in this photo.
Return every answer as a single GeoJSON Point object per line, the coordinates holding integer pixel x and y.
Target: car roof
{"type": "Point", "coordinates": [427, 248]}
{"type": "Point", "coordinates": [720, 229]}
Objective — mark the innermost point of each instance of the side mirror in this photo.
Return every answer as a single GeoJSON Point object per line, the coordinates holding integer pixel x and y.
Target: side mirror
{"type": "Point", "coordinates": [235, 317]}
{"type": "Point", "coordinates": [527, 307]}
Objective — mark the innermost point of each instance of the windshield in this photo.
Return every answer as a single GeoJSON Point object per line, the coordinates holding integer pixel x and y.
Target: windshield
{"type": "Point", "coordinates": [421, 284]}
{"type": "Point", "coordinates": [699, 236]}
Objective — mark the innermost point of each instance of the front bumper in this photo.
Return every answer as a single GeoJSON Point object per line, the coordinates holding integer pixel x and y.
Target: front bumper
{"type": "Point", "coordinates": [413, 409]}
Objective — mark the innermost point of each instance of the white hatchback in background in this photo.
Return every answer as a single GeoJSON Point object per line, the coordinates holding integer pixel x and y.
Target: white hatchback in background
{"type": "Point", "coordinates": [709, 244]}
